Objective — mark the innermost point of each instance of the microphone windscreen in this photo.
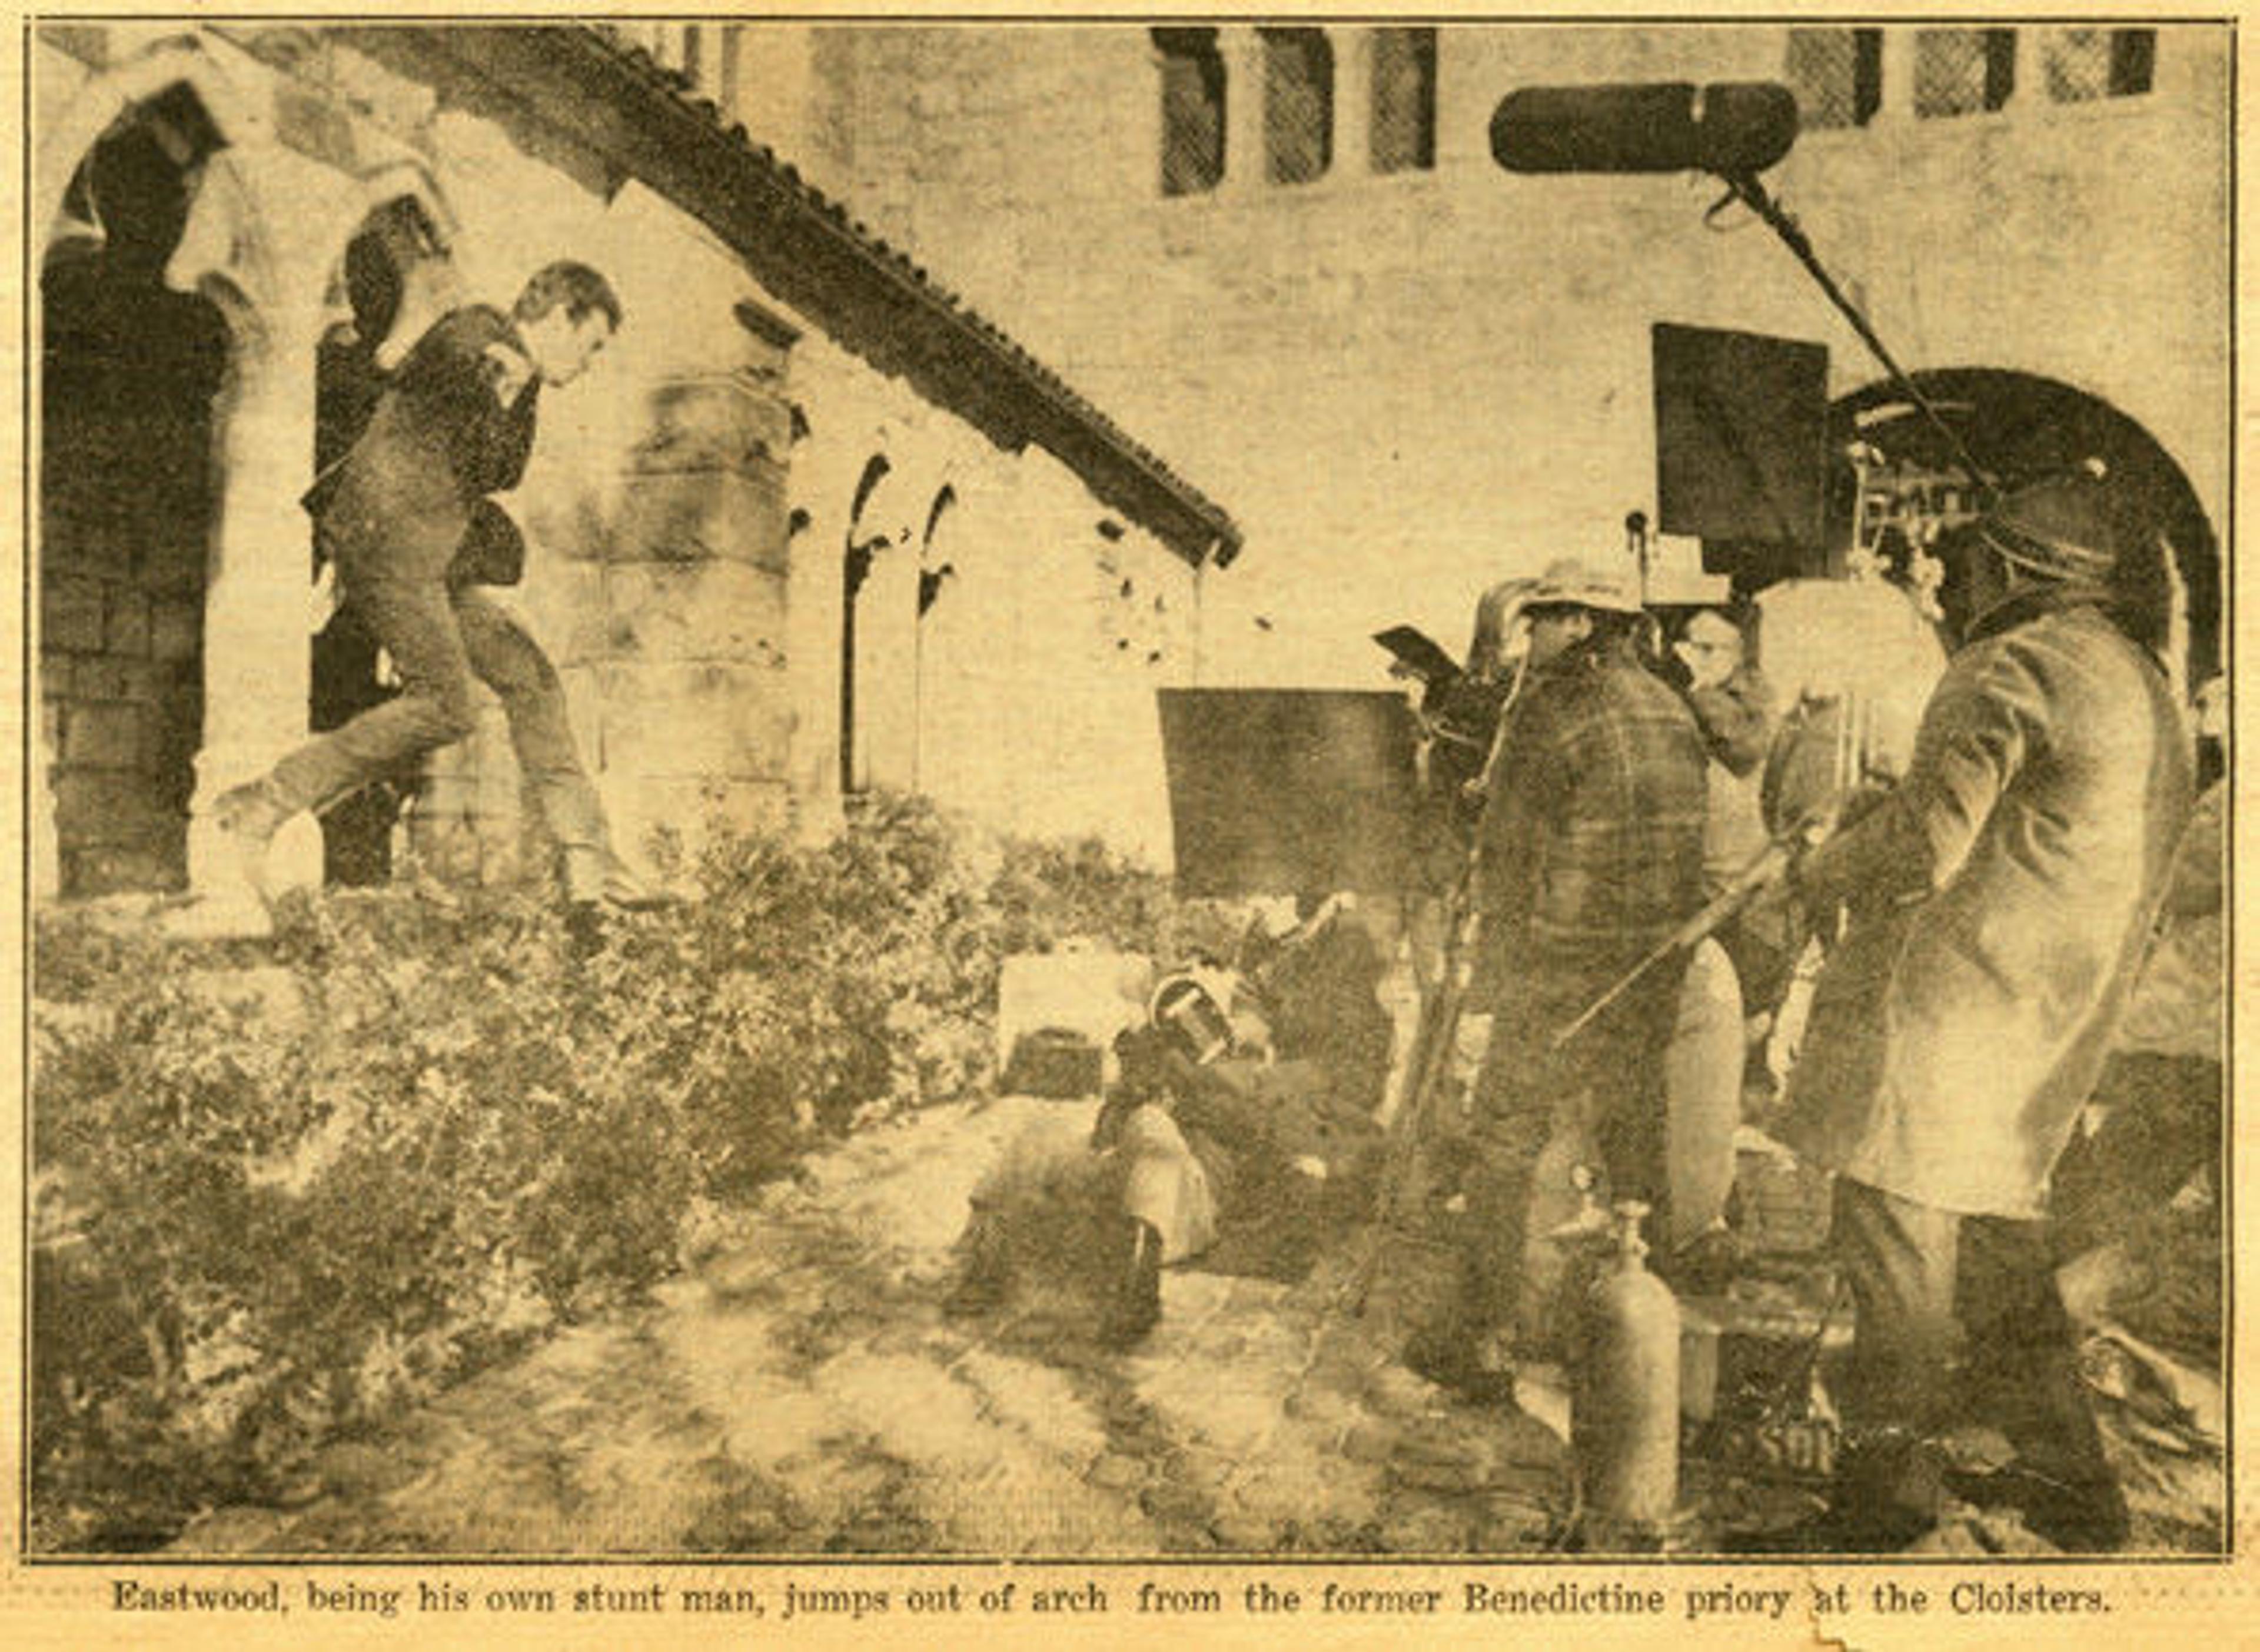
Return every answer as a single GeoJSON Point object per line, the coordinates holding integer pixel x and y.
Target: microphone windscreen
{"type": "Point", "coordinates": [1731, 128]}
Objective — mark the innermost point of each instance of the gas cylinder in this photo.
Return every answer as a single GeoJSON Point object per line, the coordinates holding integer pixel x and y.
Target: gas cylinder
{"type": "Point", "coordinates": [1624, 1409]}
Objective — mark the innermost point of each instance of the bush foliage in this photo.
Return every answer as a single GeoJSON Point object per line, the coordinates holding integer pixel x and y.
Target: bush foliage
{"type": "Point", "coordinates": [277, 1203]}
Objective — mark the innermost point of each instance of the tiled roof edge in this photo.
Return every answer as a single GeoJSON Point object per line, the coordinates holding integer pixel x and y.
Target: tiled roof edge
{"type": "Point", "coordinates": [913, 319]}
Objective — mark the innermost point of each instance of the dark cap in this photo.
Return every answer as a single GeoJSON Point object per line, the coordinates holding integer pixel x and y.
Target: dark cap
{"type": "Point", "coordinates": [2058, 529]}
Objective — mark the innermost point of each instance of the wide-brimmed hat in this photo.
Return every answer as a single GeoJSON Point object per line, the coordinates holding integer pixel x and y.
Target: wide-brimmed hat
{"type": "Point", "coordinates": [1572, 584]}
{"type": "Point", "coordinates": [2060, 528]}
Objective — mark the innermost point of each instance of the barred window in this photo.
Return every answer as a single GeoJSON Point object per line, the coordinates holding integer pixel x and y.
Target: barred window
{"type": "Point", "coordinates": [1404, 132]}
{"type": "Point", "coordinates": [1192, 109]}
{"type": "Point", "coordinates": [1837, 75]}
{"type": "Point", "coordinates": [2084, 64]}
{"type": "Point", "coordinates": [1298, 104]}
{"type": "Point", "coordinates": [2134, 59]}
{"type": "Point", "coordinates": [1964, 71]}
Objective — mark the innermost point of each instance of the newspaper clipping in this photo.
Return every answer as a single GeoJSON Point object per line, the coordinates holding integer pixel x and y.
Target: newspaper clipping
{"type": "Point", "coordinates": [928, 828]}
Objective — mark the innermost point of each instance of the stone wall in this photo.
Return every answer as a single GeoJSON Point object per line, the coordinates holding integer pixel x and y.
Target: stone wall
{"type": "Point", "coordinates": [1022, 695]}
{"type": "Point", "coordinates": [131, 372]}
{"type": "Point", "coordinates": [1409, 384]}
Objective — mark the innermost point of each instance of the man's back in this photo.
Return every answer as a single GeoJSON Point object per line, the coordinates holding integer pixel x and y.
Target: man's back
{"type": "Point", "coordinates": [1594, 847]}
{"type": "Point", "coordinates": [2001, 895]}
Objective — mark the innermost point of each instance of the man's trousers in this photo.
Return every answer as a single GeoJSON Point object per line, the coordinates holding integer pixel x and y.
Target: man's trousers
{"type": "Point", "coordinates": [440, 638]}
{"type": "Point", "coordinates": [1614, 1070]}
{"type": "Point", "coordinates": [1958, 1321]}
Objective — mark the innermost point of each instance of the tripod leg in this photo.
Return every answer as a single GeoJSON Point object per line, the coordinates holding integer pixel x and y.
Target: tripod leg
{"type": "Point", "coordinates": [1408, 1134]}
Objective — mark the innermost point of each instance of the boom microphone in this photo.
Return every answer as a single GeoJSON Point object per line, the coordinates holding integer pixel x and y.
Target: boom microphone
{"type": "Point", "coordinates": [1735, 128]}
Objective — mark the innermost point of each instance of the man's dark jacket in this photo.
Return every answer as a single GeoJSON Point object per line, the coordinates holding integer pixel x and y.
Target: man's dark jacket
{"type": "Point", "coordinates": [410, 498]}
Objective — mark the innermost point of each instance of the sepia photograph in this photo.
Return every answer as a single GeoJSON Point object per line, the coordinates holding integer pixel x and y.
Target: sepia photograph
{"type": "Point", "coordinates": [1347, 791]}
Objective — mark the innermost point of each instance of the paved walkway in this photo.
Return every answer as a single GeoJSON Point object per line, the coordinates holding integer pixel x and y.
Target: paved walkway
{"type": "Point", "coordinates": [802, 1391]}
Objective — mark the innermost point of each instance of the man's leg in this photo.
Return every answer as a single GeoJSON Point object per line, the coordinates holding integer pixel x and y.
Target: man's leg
{"type": "Point", "coordinates": [414, 624]}
{"type": "Point", "coordinates": [1164, 1185]}
{"type": "Point", "coordinates": [513, 664]}
{"type": "Point", "coordinates": [1622, 1062]}
{"type": "Point", "coordinates": [1471, 1349]}
{"type": "Point", "coordinates": [2024, 1378]}
{"type": "Point", "coordinates": [1899, 1260]}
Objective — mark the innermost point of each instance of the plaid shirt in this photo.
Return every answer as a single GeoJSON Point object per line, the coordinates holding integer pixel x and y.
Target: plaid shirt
{"type": "Point", "coordinates": [1592, 846]}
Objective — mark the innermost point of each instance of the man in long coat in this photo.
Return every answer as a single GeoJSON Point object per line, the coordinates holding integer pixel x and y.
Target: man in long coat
{"type": "Point", "coordinates": [405, 518]}
{"type": "Point", "coordinates": [1999, 898]}
{"type": "Point", "coordinates": [1590, 852]}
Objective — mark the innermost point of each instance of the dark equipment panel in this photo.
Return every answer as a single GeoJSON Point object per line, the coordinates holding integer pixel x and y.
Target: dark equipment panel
{"type": "Point", "coordinates": [1741, 425]}
{"type": "Point", "coordinates": [1275, 792]}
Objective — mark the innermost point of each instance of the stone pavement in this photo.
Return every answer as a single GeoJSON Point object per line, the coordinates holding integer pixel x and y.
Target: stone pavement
{"type": "Point", "coordinates": [802, 1391]}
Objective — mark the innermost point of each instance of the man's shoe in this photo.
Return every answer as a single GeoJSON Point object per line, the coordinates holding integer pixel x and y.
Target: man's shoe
{"type": "Point", "coordinates": [2081, 1512]}
{"type": "Point", "coordinates": [250, 815]}
{"type": "Point", "coordinates": [1888, 1493]}
{"type": "Point", "coordinates": [1134, 1306]}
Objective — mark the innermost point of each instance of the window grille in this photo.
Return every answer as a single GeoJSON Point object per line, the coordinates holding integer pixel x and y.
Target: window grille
{"type": "Point", "coordinates": [1837, 75]}
{"type": "Point", "coordinates": [1298, 104]}
{"type": "Point", "coordinates": [2085, 64]}
{"type": "Point", "coordinates": [2134, 59]}
{"type": "Point", "coordinates": [1404, 132]}
{"type": "Point", "coordinates": [1192, 109]}
{"type": "Point", "coordinates": [2076, 63]}
{"type": "Point", "coordinates": [1963, 71]}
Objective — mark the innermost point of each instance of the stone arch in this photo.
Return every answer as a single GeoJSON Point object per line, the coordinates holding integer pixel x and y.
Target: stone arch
{"type": "Point", "coordinates": [410, 218]}
{"type": "Point", "coordinates": [267, 227]}
{"type": "Point", "coordinates": [937, 571]}
{"type": "Point", "coordinates": [2022, 426]}
{"type": "Point", "coordinates": [65, 142]}
{"type": "Point", "coordinates": [934, 566]}
{"type": "Point", "coordinates": [236, 94]}
{"type": "Point", "coordinates": [131, 386]}
{"type": "Point", "coordinates": [880, 571]}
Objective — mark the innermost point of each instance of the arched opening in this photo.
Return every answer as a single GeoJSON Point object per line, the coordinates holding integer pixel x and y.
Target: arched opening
{"type": "Point", "coordinates": [1891, 475]}
{"type": "Point", "coordinates": [373, 291]}
{"type": "Point", "coordinates": [129, 375]}
{"type": "Point", "coordinates": [936, 570]}
{"type": "Point", "coordinates": [858, 552]}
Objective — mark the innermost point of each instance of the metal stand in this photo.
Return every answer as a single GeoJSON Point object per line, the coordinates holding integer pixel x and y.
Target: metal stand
{"type": "Point", "coordinates": [1434, 1045]}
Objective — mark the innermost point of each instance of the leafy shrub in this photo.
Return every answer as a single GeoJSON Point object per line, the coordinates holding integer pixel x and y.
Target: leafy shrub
{"type": "Point", "coordinates": [424, 1134]}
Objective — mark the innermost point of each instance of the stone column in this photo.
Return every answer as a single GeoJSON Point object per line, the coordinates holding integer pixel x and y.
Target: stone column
{"type": "Point", "coordinates": [269, 271]}
{"type": "Point", "coordinates": [1244, 161]}
{"type": "Point", "coordinates": [1353, 101]}
{"type": "Point", "coordinates": [1897, 102]}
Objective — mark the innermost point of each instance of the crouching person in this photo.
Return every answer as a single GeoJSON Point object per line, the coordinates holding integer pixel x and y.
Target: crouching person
{"type": "Point", "coordinates": [1203, 1136]}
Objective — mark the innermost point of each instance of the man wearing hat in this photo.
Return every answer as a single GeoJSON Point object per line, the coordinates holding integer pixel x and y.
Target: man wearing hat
{"type": "Point", "coordinates": [1999, 901]}
{"type": "Point", "coordinates": [1590, 852]}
